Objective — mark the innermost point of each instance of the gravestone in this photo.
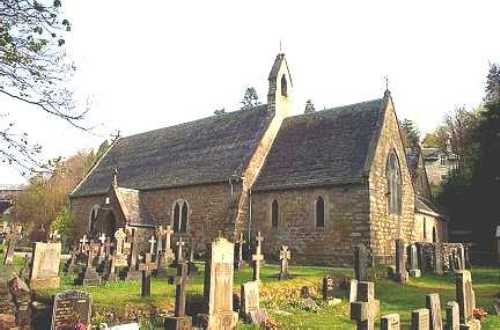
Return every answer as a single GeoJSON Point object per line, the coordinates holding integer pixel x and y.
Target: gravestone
{"type": "Point", "coordinates": [438, 259]}
{"type": "Point", "coordinates": [90, 275]}
{"type": "Point", "coordinates": [9, 254]}
{"type": "Point", "coordinates": [413, 258]}
{"type": "Point", "coordinates": [258, 257]}
{"type": "Point", "coordinates": [390, 322]}
{"type": "Point", "coordinates": [83, 244]}
{"type": "Point", "coordinates": [451, 263]}
{"type": "Point", "coordinates": [328, 288]}
{"type": "Point", "coordinates": [467, 259]}
{"type": "Point", "coordinates": [366, 308]}
{"type": "Point", "coordinates": [420, 319]}
{"type": "Point", "coordinates": [433, 304]}
{"type": "Point", "coordinates": [360, 262]}
{"type": "Point", "coordinates": [180, 321]}
{"type": "Point", "coordinates": [179, 256]}
{"type": "Point", "coordinates": [146, 268]}
{"type": "Point", "coordinates": [401, 275]}
{"type": "Point", "coordinates": [466, 300]}
{"type": "Point", "coordinates": [285, 255]}
{"type": "Point", "coordinates": [353, 290]}
{"type": "Point", "coordinates": [70, 309]}
{"type": "Point", "coordinates": [452, 316]}
{"type": "Point", "coordinates": [168, 254]}
{"type": "Point", "coordinates": [220, 304]}
{"type": "Point", "coordinates": [21, 296]}
{"type": "Point", "coordinates": [191, 265]}
{"type": "Point", "coordinates": [238, 259]}
{"type": "Point", "coordinates": [70, 265]}
{"type": "Point", "coordinates": [45, 265]}
{"type": "Point", "coordinates": [133, 274]}
{"type": "Point", "coordinates": [250, 304]}
{"type": "Point", "coordinates": [460, 258]}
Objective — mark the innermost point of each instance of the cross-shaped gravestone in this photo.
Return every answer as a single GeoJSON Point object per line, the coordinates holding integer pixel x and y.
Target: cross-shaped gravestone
{"type": "Point", "coordinates": [366, 308]}
{"type": "Point", "coordinates": [102, 238]}
{"type": "Point", "coordinates": [257, 257]}
{"type": "Point", "coordinates": [90, 276]}
{"type": "Point", "coordinates": [180, 320]}
{"type": "Point", "coordinates": [238, 259]}
{"type": "Point", "coordinates": [168, 254]}
{"type": "Point", "coordinates": [152, 242]}
{"type": "Point", "coordinates": [179, 256]}
{"type": "Point", "coordinates": [285, 256]}
{"type": "Point", "coordinates": [360, 262]}
{"type": "Point", "coordinates": [120, 237]}
{"type": "Point", "coordinates": [146, 268]}
{"type": "Point", "coordinates": [83, 243]}
{"type": "Point", "coordinates": [70, 265]}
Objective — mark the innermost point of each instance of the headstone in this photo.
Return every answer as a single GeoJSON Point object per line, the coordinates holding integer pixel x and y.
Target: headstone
{"type": "Point", "coordinates": [390, 322]}
{"type": "Point", "coordinates": [353, 290]}
{"type": "Point", "coordinates": [179, 257]}
{"type": "Point", "coordinates": [466, 300]}
{"type": "Point", "coordinates": [438, 259]}
{"type": "Point", "coordinates": [168, 254]}
{"type": "Point", "coordinates": [420, 319]}
{"type": "Point", "coordinates": [401, 275]}
{"type": "Point", "coordinates": [146, 268]}
{"type": "Point", "coordinates": [45, 265]}
{"type": "Point", "coordinates": [452, 316]}
{"type": "Point", "coordinates": [238, 259]}
{"type": "Point", "coordinates": [434, 305]}
{"type": "Point", "coordinates": [467, 259]}
{"type": "Point", "coordinates": [305, 292]}
{"type": "Point", "coordinates": [133, 274]}
{"type": "Point", "coordinates": [120, 237]}
{"type": "Point", "coordinates": [191, 265]}
{"type": "Point", "coordinates": [220, 305]}
{"type": "Point", "coordinates": [328, 288]}
{"type": "Point", "coordinates": [250, 308]}
{"type": "Point", "coordinates": [180, 320]}
{"type": "Point", "coordinates": [90, 275]}
{"type": "Point", "coordinates": [9, 254]}
{"type": "Point", "coordinates": [285, 255]}
{"type": "Point", "coordinates": [71, 263]}
{"type": "Point", "coordinates": [360, 262]}
{"type": "Point", "coordinates": [21, 295]}
{"type": "Point", "coordinates": [83, 244]}
{"type": "Point", "coordinates": [413, 257]}
{"type": "Point", "coordinates": [71, 309]}
{"type": "Point", "coordinates": [451, 263]}
{"type": "Point", "coordinates": [460, 258]}
{"type": "Point", "coordinates": [258, 257]}
{"type": "Point", "coordinates": [366, 308]}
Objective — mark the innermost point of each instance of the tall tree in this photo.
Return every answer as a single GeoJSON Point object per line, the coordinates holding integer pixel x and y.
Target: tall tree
{"type": "Point", "coordinates": [250, 99]}
{"type": "Point", "coordinates": [411, 133]}
{"type": "Point", "coordinates": [34, 71]}
{"type": "Point", "coordinates": [492, 90]}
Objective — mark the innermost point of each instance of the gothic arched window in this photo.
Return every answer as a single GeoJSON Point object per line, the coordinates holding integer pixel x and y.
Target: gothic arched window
{"type": "Point", "coordinates": [180, 216]}
{"type": "Point", "coordinates": [394, 190]}
{"type": "Point", "coordinates": [93, 218]}
{"type": "Point", "coordinates": [320, 212]}
{"type": "Point", "coordinates": [274, 214]}
{"type": "Point", "coordinates": [284, 86]}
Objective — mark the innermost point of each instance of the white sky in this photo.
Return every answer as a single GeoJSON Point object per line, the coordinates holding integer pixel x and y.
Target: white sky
{"type": "Point", "coordinates": [149, 64]}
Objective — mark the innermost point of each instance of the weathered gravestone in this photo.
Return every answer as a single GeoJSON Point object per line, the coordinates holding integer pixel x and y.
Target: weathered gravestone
{"type": "Point", "coordinates": [285, 256]}
{"type": "Point", "coordinates": [420, 319]}
{"type": "Point", "coordinates": [70, 310]}
{"type": "Point", "coordinates": [401, 275]}
{"type": "Point", "coordinates": [360, 262]}
{"type": "Point", "coordinates": [180, 321]}
{"type": "Point", "coordinates": [146, 268]}
{"type": "Point", "coordinates": [69, 266]}
{"type": "Point", "coordinates": [353, 290]}
{"type": "Point", "coordinates": [118, 260]}
{"type": "Point", "coordinates": [238, 251]}
{"type": "Point", "coordinates": [466, 300]}
{"type": "Point", "coordinates": [390, 322]}
{"type": "Point", "coordinates": [438, 259]}
{"type": "Point", "coordinates": [131, 246]}
{"type": "Point", "coordinates": [45, 265]}
{"type": "Point", "coordinates": [433, 304]}
{"type": "Point", "coordinates": [21, 294]}
{"type": "Point", "coordinates": [452, 316]}
{"type": "Point", "coordinates": [328, 288]}
{"type": "Point", "coordinates": [220, 304]}
{"type": "Point", "coordinates": [89, 275]}
{"type": "Point", "coordinates": [191, 265]}
{"type": "Point", "coordinates": [250, 304]}
{"type": "Point", "coordinates": [258, 257]}
{"type": "Point", "coordinates": [9, 253]}
{"type": "Point", "coordinates": [413, 258]}
{"type": "Point", "coordinates": [366, 308]}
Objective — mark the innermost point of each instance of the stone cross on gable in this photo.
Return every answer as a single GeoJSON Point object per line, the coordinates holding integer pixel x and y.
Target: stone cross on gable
{"type": "Point", "coordinates": [257, 257]}
{"type": "Point", "coordinates": [180, 244]}
{"type": "Point", "coordinates": [146, 268]}
{"type": "Point", "coordinates": [152, 243]}
{"type": "Point", "coordinates": [285, 255]}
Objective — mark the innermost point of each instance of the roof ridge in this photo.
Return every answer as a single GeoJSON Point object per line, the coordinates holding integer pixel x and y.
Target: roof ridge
{"type": "Point", "coordinates": [337, 108]}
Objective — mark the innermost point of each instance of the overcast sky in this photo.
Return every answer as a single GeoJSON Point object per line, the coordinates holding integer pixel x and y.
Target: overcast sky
{"type": "Point", "coordinates": [149, 64]}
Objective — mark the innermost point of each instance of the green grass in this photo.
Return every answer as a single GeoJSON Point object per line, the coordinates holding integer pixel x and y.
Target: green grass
{"type": "Point", "coordinates": [280, 297]}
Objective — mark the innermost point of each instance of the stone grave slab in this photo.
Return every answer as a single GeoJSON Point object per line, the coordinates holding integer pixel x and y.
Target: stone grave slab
{"type": "Point", "coordinates": [434, 305]}
{"type": "Point", "coordinates": [250, 307]}
{"type": "Point", "coordinates": [420, 319]}
{"type": "Point", "coordinates": [45, 265]}
{"type": "Point", "coordinates": [452, 316]}
{"type": "Point", "coordinates": [390, 322]}
{"type": "Point", "coordinates": [360, 262]}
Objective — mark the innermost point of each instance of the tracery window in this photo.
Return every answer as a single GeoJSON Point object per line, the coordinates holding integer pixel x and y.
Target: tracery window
{"type": "Point", "coordinates": [394, 189]}
{"type": "Point", "coordinates": [180, 216]}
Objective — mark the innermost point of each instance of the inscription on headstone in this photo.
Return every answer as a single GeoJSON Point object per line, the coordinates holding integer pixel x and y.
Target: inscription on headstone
{"type": "Point", "coordinates": [71, 309]}
{"type": "Point", "coordinates": [45, 265]}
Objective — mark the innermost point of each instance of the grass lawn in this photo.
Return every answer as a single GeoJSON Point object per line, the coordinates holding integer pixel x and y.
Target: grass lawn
{"type": "Point", "coordinates": [281, 298]}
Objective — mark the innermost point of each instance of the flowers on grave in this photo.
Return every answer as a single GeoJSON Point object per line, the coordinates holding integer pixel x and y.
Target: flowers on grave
{"type": "Point", "coordinates": [479, 313]}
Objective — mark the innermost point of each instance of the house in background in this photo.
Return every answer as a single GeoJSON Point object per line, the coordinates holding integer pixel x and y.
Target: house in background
{"type": "Point", "coordinates": [438, 164]}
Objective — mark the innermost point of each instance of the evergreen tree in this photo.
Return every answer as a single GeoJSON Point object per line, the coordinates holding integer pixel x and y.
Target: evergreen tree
{"type": "Point", "coordinates": [309, 107]}
{"type": "Point", "coordinates": [492, 91]}
{"type": "Point", "coordinates": [411, 133]}
{"type": "Point", "coordinates": [250, 99]}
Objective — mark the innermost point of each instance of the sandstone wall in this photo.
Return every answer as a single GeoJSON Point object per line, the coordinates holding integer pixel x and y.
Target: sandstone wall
{"type": "Point", "coordinates": [431, 223]}
{"type": "Point", "coordinates": [346, 223]}
{"type": "Point", "coordinates": [386, 228]}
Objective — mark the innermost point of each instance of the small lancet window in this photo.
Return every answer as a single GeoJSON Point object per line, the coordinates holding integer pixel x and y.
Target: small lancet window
{"type": "Point", "coordinates": [320, 212]}
{"type": "Point", "coordinates": [176, 217]}
{"type": "Point", "coordinates": [284, 86]}
{"type": "Point", "coordinates": [274, 214]}
{"type": "Point", "coordinates": [394, 189]}
{"type": "Point", "coordinates": [184, 218]}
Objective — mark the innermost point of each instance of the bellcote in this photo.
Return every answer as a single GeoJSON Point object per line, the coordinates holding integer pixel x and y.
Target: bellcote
{"type": "Point", "coordinates": [279, 96]}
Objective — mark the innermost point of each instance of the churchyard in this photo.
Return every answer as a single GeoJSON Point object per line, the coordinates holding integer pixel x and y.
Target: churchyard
{"type": "Point", "coordinates": [297, 300]}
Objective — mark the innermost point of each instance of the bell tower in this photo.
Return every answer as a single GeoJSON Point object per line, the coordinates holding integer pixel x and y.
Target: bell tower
{"type": "Point", "coordinates": [279, 96]}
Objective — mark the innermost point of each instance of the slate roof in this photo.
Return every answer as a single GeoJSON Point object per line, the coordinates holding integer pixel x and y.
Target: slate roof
{"type": "Point", "coordinates": [133, 208]}
{"type": "Point", "coordinates": [203, 151]}
{"type": "Point", "coordinates": [423, 205]}
{"type": "Point", "coordinates": [324, 147]}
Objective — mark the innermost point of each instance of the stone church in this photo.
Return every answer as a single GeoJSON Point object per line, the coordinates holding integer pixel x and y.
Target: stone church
{"type": "Point", "coordinates": [319, 182]}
